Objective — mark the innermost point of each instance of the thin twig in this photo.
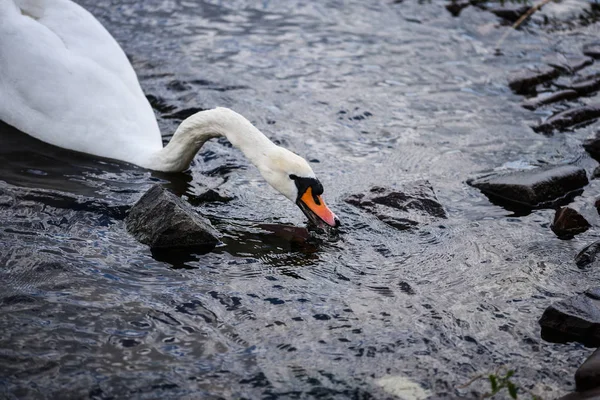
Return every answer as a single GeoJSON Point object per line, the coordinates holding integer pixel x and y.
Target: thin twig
{"type": "Point", "coordinates": [471, 381]}
{"type": "Point", "coordinates": [520, 21]}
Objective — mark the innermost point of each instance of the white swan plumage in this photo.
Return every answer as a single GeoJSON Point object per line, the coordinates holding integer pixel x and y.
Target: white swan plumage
{"type": "Point", "coordinates": [66, 81]}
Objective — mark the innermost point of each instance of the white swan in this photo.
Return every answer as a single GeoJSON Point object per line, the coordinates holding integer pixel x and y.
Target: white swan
{"type": "Point", "coordinates": [66, 81]}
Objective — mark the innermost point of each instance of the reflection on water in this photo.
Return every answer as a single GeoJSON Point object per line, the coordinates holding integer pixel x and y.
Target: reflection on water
{"type": "Point", "coordinates": [372, 94]}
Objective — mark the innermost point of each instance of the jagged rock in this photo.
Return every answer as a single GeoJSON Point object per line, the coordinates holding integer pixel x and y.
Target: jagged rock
{"type": "Point", "coordinates": [524, 82]}
{"type": "Point", "coordinates": [569, 118]}
{"type": "Point", "coordinates": [589, 395]}
{"type": "Point", "coordinates": [162, 220]}
{"type": "Point", "coordinates": [508, 13]}
{"type": "Point", "coordinates": [547, 98]}
{"type": "Point", "coordinates": [412, 205]}
{"type": "Point", "coordinates": [586, 85]}
{"type": "Point", "coordinates": [576, 318]}
{"type": "Point", "coordinates": [592, 146]}
{"type": "Point", "coordinates": [568, 223]}
{"type": "Point", "coordinates": [587, 376]}
{"type": "Point", "coordinates": [587, 256]}
{"type": "Point", "coordinates": [538, 188]}
{"type": "Point", "coordinates": [455, 7]}
{"type": "Point", "coordinates": [568, 63]}
{"type": "Point", "coordinates": [592, 49]}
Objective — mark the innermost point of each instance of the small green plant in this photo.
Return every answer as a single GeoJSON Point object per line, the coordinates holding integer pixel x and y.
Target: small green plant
{"type": "Point", "coordinates": [498, 383]}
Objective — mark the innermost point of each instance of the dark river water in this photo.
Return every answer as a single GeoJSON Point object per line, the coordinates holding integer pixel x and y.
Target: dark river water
{"type": "Point", "coordinates": [372, 93]}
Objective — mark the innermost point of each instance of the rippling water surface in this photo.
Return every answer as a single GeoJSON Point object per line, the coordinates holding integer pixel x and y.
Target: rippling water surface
{"type": "Point", "coordinates": [373, 93]}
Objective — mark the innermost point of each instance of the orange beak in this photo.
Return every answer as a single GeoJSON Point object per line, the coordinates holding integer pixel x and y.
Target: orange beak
{"type": "Point", "coordinates": [314, 206]}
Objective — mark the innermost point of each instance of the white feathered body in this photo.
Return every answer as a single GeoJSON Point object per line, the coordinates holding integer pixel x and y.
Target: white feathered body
{"type": "Point", "coordinates": [66, 81]}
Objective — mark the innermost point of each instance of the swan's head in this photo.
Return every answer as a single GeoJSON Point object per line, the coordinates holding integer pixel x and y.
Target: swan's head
{"type": "Point", "coordinates": [291, 176]}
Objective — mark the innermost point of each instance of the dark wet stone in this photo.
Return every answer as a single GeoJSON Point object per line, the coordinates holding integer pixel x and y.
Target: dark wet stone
{"type": "Point", "coordinates": [587, 376]}
{"type": "Point", "coordinates": [587, 85]}
{"type": "Point", "coordinates": [592, 146]}
{"type": "Point", "coordinates": [568, 223]}
{"type": "Point", "coordinates": [569, 63]}
{"type": "Point", "coordinates": [592, 49]}
{"type": "Point", "coordinates": [510, 14]}
{"type": "Point", "coordinates": [569, 118]}
{"type": "Point", "coordinates": [588, 255]}
{"type": "Point", "coordinates": [455, 7]}
{"type": "Point", "coordinates": [524, 82]}
{"type": "Point", "coordinates": [538, 188]}
{"type": "Point", "coordinates": [589, 395]}
{"type": "Point", "coordinates": [405, 208]}
{"type": "Point", "coordinates": [547, 98]}
{"type": "Point", "coordinates": [596, 172]}
{"type": "Point", "coordinates": [162, 220]}
{"type": "Point", "coordinates": [576, 319]}
{"type": "Point", "coordinates": [597, 205]}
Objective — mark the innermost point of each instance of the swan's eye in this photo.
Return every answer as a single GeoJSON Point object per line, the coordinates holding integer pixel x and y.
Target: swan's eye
{"type": "Point", "coordinates": [293, 177]}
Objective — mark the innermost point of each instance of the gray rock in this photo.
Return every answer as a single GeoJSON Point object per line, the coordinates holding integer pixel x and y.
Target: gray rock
{"type": "Point", "coordinates": [524, 82]}
{"type": "Point", "coordinates": [587, 376]}
{"type": "Point", "coordinates": [537, 188]}
{"type": "Point", "coordinates": [588, 395]}
{"type": "Point", "coordinates": [569, 118]}
{"type": "Point", "coordinates": [576, 318]}
{"type": "Point", "coordinates": [592, 49]}
{"type": "Point", "coordinates": [568, 63]}
{"type": "Point", "coordinates": [547, 98]}
{"type": "Point", "coordinates": [568, 223]}
{"type": "Point", "coordinates": [592, 146]}
{"type": "Point", "coordinates": [414, 204]}
{"type": "Point", "coordinates": [587, 85]}
{"type": "Point", "coordinates": [510, 13]}
{"type": "Point", "coordinates": [588, 255]}
{"type": "Point", "coordinates": [162, 220]}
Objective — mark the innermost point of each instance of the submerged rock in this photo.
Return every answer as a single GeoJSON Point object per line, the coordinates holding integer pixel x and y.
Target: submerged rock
{"type": "Point", "coordinates": [162, 220]}
{"type": "Point", "coordinates": [587, 376]}
{"type": "Point", "coordinates": [413, 204]}
{"type": "Point", "coordinates": [593, 394]}
{"type": "Point", "coordinates": [576, 318]}
{"type": "Point", "coordinates": [455, 7]}
{"type": "Point", "coordinates": [547, 98]}
{"type": "Point", "coordinates": [592, 49]}
{"type": "Point", "coordinates": [587, 256]}
{"type": "Point", "coordinates": [569, 118]}
{"type": "Point", "coordinates": [568, 223]}
{"type": "Point", "coordinates": [592, 146]}
{"type": "Point", "coordinates": [508, 13]}
{"type": "Point", "coordinates": [537, 188]}
{"type": "Point", "coordinates": [524, 82]}
{"type": "Point", "coordinates": [587, 85]}
{"type": "Point", "coordinates": [569, 63]}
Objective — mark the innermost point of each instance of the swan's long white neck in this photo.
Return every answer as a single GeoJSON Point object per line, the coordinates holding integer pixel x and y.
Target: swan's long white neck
{"type": "Point", "coordinates": [194, 131]}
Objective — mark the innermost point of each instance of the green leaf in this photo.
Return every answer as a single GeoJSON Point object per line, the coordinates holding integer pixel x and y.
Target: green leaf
{"type": "Point", "coordinates": [494, 383]}
{"type": "Point", "coordinates": [509, 374]}
{"type": "Point", "coordinates": [512, 390]}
